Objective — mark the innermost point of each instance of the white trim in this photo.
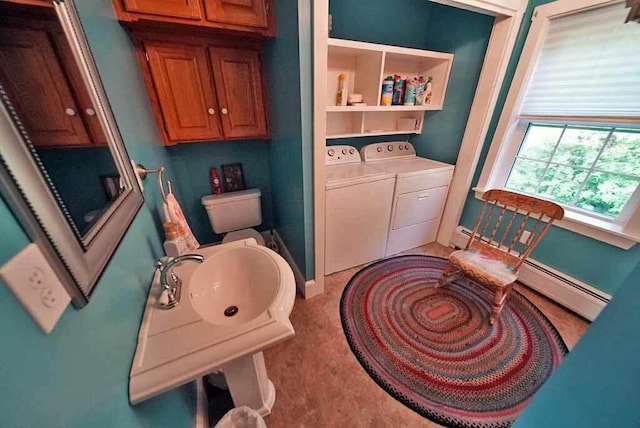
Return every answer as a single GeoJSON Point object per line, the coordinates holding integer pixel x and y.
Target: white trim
{"type": "Point", "coordinates": [202, 410]}
{"type": "Point", "coordinates": [569, 292]}
{"type": "Point", "coordinates": [503, 38]}
{"type": "Point", "coordinates": [487, 7]}
{"type": "Point", "coordinates": [320, 36]}
{"type": "Point", "coordinates": [308, 289]}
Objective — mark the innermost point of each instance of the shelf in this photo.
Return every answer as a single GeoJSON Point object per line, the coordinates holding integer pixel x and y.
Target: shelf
{"type": "Point", "coordinates": [353, 46]}
{"type": "Point", "coordinates": [371, 134]}
{"type": "Point", "coordinates": [338, 109]}
{"type": "Point", "coordinates": [365, 65]}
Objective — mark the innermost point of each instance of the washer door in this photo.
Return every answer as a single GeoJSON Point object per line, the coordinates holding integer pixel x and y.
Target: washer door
{"type": "Point", "coordinates": [357, 224]}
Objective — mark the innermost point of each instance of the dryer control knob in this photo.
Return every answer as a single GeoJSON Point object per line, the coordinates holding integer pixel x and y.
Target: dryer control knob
{"type": "Point", "coordinates": [401, 147]}
{"type": "Point", "coordinates": [406, 146]}
{"type": "Point", "coordinates": [379, 149]}
{"type": "Point", "coordinates": [352, 151]}
{"type": "Point", "coordinates": [345, 151]}
{"type": "Point", "coordinates": [390, 147]}
{"type": "Point", "coordinates": [331, 152]}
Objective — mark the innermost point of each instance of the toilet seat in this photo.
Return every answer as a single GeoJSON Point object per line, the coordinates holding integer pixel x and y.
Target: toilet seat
{"type": "Point", "coordinates": [238, 235]}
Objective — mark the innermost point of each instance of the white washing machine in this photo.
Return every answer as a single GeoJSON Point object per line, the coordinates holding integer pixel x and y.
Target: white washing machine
{"type": "Point", "coordinates": [358, 209]}
{"type": "Point", "coordinates": [420, 193]}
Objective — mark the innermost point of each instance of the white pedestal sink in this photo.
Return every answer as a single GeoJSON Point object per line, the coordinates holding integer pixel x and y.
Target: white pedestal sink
{"type": "Point", "coordinates": [233, 305]}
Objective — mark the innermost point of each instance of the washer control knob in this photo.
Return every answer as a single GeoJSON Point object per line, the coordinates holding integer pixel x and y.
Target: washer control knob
{"type": "Point", "coordinates": [352, 151]}
{"type": "Point", "coordinates": [331, 152]}
{"type": "Point", "coordinates": [379, 149]}
{"type": "Point", "coordinates": [345, 151]}
{"type": "Point", "coordinates": [401, 147]}
{"type": "Point", "coordinates": [406, 146]}
{"type": "Point", "coordinates": [390, 147]}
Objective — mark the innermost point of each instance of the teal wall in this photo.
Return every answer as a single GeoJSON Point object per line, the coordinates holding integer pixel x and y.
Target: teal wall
{"type": "Point", "coordinates": [290, 152]}
{"type": "Point", "coordinates": [192, 163]}
{"type": "Point", "coordinates": [594, 262]}
{"type": "Point", "coordinates": [78, 375]}
{"type": "Point", "coordinates": [597, 384]}
{"type": "Point", "coordinates": [431, 26]}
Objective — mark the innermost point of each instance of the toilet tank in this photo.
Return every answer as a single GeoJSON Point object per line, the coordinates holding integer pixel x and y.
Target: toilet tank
{"type": "Point", "coordinates": [233, 210]}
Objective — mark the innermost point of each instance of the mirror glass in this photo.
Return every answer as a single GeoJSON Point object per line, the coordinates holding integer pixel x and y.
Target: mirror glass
{"type": "Point", "coordinates": [44, 85]}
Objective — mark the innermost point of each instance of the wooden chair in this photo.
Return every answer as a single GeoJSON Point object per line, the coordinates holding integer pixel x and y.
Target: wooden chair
{"type": "Point", "coordinates": [487, 259]}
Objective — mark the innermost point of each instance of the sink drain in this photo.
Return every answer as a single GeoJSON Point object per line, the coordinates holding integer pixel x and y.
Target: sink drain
{"type": "Point", "coordinates": [230, 311]}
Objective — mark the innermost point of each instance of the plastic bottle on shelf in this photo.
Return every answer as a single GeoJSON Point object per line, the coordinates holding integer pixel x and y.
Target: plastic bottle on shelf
{"type": "Point", "coordinates": [341, 96]}
{"type": "Point", "coordinates": [428, 91]}
{"type": "Point", "coordinates": [398, 90]}
{"type": "Point", "coordinates": [410, 91]}
{"type": "Point", "coordinates": [387, 91]}
{"type": "Point", "coordinates": [421, 91]}
{"type": "Point", "coordinates": [215, 182]}
{"type": "Point", "coordinates": [174, 244]}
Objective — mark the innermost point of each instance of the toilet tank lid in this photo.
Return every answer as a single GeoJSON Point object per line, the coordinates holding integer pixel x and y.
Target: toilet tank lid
{"type": "Point", "coordinates": [225, 198]}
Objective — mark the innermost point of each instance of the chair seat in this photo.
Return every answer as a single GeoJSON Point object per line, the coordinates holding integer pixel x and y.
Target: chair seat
{"type": "Point", "coordinates": [483, 266]}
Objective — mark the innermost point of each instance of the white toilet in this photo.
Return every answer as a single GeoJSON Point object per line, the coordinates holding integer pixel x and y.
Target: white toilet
{"type": "Point", "coordinates": [235, 213]}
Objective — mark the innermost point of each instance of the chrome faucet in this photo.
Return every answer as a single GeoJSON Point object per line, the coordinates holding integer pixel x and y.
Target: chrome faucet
{"type": "Point", "coordinates": [173, 284]}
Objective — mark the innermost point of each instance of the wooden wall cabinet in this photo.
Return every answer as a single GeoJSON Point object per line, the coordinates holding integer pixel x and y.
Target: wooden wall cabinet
{"type": "Point", "coordinates": [189, 9]}
{"type": "Point", "coordinates": [205, 92]}
{"type": "Point", "coordinates": [239, 87]}
{"type": "Point", "coordinates": [60, 113]}
{"type": "Point", "coordinates": [251, 13]}
{"type": "Point", "coordinates": [239, 16]}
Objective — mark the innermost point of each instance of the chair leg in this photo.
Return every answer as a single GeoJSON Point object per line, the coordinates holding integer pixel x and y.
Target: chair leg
{"type": "Point", "coordinates": [449, 274]}
{"type": "Point", "coordinates": [499, 299]}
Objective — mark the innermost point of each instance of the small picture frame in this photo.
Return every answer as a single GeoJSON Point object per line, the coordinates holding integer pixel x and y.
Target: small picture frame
{"type": "Point", "coordinates": [232, 177]}
{"type": "Point", "coordinates": [111, 186]}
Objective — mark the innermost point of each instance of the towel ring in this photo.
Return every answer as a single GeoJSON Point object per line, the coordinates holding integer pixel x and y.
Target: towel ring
{"type": "Point", "coordinates": [143, 172]}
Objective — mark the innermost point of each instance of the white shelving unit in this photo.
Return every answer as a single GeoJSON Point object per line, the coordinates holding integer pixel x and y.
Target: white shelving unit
{"type": "Point", "coordinates": [366, 65]}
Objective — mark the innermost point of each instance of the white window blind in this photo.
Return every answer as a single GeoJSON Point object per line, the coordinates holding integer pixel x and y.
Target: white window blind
{"type": "Point", "coordinates": [589, 66]}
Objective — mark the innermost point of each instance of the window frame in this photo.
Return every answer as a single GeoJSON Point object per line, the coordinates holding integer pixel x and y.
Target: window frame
{"type": "Point", "coordinates": [624, 230]}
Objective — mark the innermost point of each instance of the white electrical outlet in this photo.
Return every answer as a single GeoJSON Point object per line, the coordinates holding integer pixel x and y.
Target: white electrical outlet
{"type": "Point", "coordinates": [525, 237]}
{"type": "Point", "coordinates": [29, 276]}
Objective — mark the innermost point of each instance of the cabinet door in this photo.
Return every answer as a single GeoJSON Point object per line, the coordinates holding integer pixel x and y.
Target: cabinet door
{"type": "Point", "coordinates": [239, 88]}
{"type": "Point", "coordinates": [189, 9]}
{"type": "Point", "coordinates": [49, 114]}
{"type": "Point", "coordinates": [185, 91]}
{"type": "Point", "coordinates": [86, 108]}
{"type": "Point", "coordinates": [251, 13]}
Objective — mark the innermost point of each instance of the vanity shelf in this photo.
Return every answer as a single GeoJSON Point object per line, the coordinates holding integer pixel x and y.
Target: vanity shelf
{"type": "Point", "coordinates": [366, 65]}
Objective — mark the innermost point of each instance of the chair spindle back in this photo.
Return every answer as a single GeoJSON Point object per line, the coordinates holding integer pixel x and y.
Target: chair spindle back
{"type": "Point", "coordinates": [504, 218]}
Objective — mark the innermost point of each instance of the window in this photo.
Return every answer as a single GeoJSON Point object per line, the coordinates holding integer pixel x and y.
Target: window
{"type": "Point", "coordinates": [595, 169]}
{"type": "Point", "coordinates": [570, 128]}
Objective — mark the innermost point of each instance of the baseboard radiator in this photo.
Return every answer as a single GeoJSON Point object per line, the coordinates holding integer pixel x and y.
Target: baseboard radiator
{"type": "Point", "coordinates": [569, 292]}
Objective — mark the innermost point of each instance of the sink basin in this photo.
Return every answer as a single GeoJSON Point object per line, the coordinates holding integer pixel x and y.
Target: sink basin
{"type": "Point", "coordinates": [234, 286]}
{"type": "Point", "coordinates": [234, 305]}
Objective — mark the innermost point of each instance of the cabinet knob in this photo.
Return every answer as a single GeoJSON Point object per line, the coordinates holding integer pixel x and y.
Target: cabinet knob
{"type": "Point", "coordinates": [70, 112]}
{"type": "Point", "coordinates": [90, 112]}
{"type": "Point", "coordinates": [224, 110]}
{"type": "Point", "coordinates": [211, 111]}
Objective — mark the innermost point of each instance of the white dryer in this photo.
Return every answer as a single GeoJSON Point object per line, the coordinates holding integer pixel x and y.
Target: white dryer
{"type": "Point", "coordinates": [420, 193]}
{"type": "Point", "coordinates": [358, 208]}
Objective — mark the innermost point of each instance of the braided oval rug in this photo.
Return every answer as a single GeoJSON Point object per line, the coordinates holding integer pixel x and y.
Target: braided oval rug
{"type": "Point", "coordinates": [434, 350]}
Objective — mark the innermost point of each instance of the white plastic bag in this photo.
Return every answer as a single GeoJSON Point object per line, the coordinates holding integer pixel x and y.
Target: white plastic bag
{"type": "Point", "coordinates": [241, 417]}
